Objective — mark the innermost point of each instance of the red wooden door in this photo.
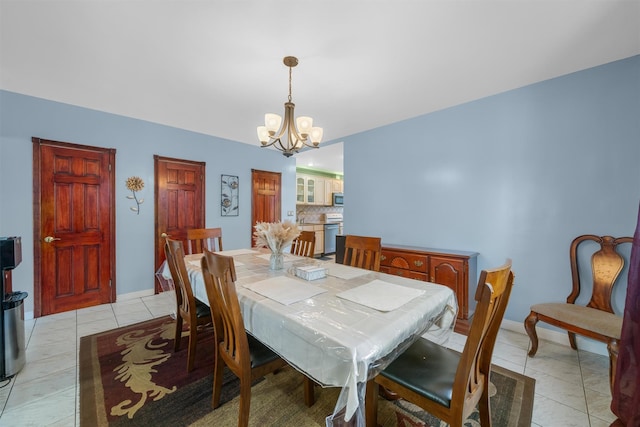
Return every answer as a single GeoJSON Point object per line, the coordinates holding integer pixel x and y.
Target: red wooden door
{"type": "Point", "coordinates": [73, 226]}
{"type": "Point", "coordinates": [179, 201]}
{"type": "Point", "coordinates": [265, 198]}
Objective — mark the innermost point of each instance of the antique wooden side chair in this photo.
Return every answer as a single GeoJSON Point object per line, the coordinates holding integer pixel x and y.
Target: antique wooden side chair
{"type": "Point", "coordinates": [304, 244]}
{"type": "Point", "coordinates": [363, 252]}
{"type": "Point", "coordinates": [200, 238]}
{"type": "Point", "coordinates": [444, 382]}
{"type": "Point", "coordinates": [597, 319]}
{"type": "Point", "coordinates": [244, 355]}
{"type": "Point", "coordinates": [189, 309]}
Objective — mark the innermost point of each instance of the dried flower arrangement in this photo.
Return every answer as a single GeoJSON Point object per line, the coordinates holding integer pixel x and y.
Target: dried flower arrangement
{"type": "Point", "coordinates": [275, 235]}
{"type": "Point", "coordinates": [135, 183]}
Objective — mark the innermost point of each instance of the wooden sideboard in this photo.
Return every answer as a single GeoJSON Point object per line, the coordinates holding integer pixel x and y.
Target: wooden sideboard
{"type": "Point", "coordinates": [455, 269]}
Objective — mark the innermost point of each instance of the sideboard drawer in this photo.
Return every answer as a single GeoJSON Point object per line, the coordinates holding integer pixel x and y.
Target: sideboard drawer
{"type": "Point", "coordinates": [405, 261]}
{"type": "Point", "coordinates": [405, 273]}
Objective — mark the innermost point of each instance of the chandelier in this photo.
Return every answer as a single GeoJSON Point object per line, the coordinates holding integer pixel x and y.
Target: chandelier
{"type": "Point", "coordinates": [295, 135]}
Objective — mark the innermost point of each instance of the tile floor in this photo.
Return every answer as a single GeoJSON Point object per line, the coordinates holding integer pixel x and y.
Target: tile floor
{"type": "Point", "coordinates": [572, 388]}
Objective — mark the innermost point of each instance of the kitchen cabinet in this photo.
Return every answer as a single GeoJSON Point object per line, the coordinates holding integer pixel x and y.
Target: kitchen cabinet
{"type": "Point", "coordinates": [319, 231]}
{"type": "Point", "coordinates": [454, 269]}
{"type": "Point", "coordinates": [333, 186]}
{"type": "Point", "coordinates": [310, 190]}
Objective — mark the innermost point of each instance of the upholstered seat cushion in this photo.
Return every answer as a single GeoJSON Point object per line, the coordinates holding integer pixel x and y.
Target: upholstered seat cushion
{"type": "Point", "coordinates": [427, 369]}
{"type": "Point", "coordinates": [260, 353]}
{"type": "Point", "coordinates": [592, 319]}
{"type": "Point", "coordinates": [202, 309]}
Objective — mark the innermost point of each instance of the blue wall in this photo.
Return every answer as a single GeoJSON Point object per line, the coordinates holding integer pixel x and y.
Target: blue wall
{"type": "Point", "coordinates": [136, 141]}
{"type": "Point", "coordinates": [518, 175]}
{"type": "Point", "coordinates": [515, 175]}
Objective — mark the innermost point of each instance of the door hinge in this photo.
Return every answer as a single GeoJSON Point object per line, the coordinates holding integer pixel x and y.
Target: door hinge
{"type": "Point", "coordinates": [109, 167]}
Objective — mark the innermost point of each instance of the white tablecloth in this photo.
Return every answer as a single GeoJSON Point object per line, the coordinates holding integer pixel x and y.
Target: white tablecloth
{"type": "Point", "coordinates": [336, 342]}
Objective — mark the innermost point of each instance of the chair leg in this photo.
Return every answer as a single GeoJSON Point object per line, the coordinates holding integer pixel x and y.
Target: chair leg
{"type": "Point", "coordinates": [178, 336]}
{"type": "Point", "coordinates": [218, 370]}
{"type": "Point", "coordinates": [193, 339]}
{"type": "Point", "coordinates": [612, 347]}
{"type": "Point", "coordinates": [245, 401]}
{"type": "Point", "coordinates": [309, 391]}
{"type": "Point", "coordinates": [371, 404]}
{"type": "Point", "coordinates": [530, 327]}
{"type": "Point", "coordinates": [572, 340]}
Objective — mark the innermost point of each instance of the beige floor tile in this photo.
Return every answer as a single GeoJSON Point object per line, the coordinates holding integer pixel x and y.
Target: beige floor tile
{"type": "Point", "coordinates": [41, 388]}
{"type": "Point", "coordinates": [550, 413]}
{"type": "Point", "coordinates": [599, 405]}
{"type": "Point", "coordinates": [42, 412]}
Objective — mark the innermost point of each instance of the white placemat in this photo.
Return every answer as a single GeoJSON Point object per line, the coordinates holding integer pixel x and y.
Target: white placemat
{"type": "Point", "coordinates": [346, 272]}
{"type": "Point", "coordinates": [233, 252]}
{"type": "Point", "coordinates": [380, 295]}
{"type": "Point", "coordinates": [285, 290]}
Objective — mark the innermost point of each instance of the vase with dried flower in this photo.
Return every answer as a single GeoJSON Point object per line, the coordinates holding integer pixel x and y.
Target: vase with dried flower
{"type": "Point", "coordinates": [276, 236]}
{"type": "Point", "coordinates": [135, 183]}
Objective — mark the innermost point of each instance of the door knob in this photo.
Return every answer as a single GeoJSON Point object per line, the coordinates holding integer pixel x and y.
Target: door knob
{"type": "Point", "coordinates": [164, 235]}
{"type": "Point", "coordinates": [50, 239]}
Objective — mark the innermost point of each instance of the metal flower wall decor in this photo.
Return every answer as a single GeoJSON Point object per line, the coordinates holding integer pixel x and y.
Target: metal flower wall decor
{"type": "Point", "coordinates": [135, 184]}
{"type": "Point", "coordinates": [229, 195]}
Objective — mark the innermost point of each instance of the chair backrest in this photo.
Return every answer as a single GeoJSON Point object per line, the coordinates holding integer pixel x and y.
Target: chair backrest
{"type": "Point", "coordinates": [492, 296]}
{"type": "Point", "coordinates": [174, 252]}
{"type": "Point", "coordinates": [304, 244]}
{"type": "Point", "coordinates": [363, 252]}
{"type": "Point", "coordinates": [606, 265]}
{"type": "Point", "coordinates": [199, 239]}
{"type": "Point", "coordinates": [219, 278]}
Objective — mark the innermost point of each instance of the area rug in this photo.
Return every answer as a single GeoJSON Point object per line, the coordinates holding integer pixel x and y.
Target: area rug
{"type": "Point", "coordinates": [130, 376]}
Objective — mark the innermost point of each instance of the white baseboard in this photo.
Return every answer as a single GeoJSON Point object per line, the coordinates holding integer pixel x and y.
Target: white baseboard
{"type": "Point", "coordinates": [134, 295]}
{"type": "Point", "coordinates": [558, 337]}
{"type": "Point", "coordinates": [28, 315]}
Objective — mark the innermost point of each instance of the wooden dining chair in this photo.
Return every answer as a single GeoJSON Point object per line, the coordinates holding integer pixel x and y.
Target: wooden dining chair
{"type": "Point", "coordinates": [363, 252]}
{"type": "Point", "coordinates": [247, 357]}
{"type": "Point", "coordinates": [189, 309]}
{"type": "Point", "coordinates": [304, 244]}
{"type": "Point", "coordinates": [200, 238]}
{"type": "Point", "coordinates": [444, 382]}
{"type": "Point", "coordinates": [596, 319]}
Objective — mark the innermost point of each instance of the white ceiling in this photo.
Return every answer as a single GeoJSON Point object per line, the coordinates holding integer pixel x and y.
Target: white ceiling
{"type": "Point", "coordinates": [215, 67]}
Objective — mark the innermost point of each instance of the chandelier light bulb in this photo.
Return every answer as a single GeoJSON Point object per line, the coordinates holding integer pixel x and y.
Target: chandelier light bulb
{"type": "Point", "coordinates": [272, 122]}
{"type": "Point", "coordinates": [304, 124]}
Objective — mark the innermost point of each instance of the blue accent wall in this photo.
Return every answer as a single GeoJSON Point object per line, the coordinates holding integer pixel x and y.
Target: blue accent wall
{"type": "Point", "coordinates": [518, 175]}
{"type": "Point", "coordinates": [136, 141]}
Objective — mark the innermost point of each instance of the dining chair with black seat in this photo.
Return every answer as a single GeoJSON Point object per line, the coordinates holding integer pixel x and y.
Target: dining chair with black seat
{"type": "Point", "coordinates": [247, 357]}
{"type": "Point", "coordinates": [444, 382]}
{"type": "Point", "coordinates": [363, 252]}
{"type": "Point", "coordinates": [200, 238]}
{"type": "Point", "coordinates": [189, 309]}
{"type": "Point", "coordinates": [304, 244]}
{"type": "Point", "coordinates": [596, 319]}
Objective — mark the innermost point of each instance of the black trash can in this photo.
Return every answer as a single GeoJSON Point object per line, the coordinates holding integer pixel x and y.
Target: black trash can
{"type": "Point", "coordinates": [14, 353]}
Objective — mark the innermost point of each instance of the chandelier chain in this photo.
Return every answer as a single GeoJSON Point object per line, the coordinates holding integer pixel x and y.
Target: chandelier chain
{"type": "Point", "coordinates": [289, 84]}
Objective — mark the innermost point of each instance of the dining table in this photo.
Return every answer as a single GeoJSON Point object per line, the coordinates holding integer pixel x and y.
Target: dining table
{"type": "Point", "coordinates": [339, 329]}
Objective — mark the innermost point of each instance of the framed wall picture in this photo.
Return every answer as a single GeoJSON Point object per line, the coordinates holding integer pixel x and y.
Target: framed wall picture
{"type": "Point", "coordinates": [230, 186]}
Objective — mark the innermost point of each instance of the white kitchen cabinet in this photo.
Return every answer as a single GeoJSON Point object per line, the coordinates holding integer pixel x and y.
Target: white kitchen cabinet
{"type": "Point", "coordinates": [332, 186]}
{"type": "Point", "coordinates": [311, 190]}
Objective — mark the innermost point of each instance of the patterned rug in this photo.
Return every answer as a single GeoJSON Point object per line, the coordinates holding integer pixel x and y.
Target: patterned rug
{"type": "Point", "coordinates": [130, 376]}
